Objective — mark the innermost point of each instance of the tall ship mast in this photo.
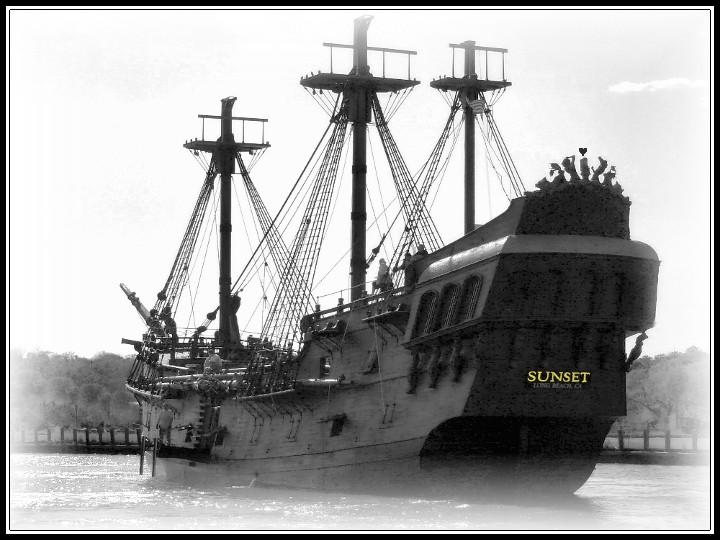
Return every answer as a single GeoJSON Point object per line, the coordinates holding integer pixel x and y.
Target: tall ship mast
{"type": "Point", "coordinates": [496, 359]}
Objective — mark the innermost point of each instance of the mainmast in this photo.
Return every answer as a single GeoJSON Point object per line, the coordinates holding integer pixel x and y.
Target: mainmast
{"type": "Point", "coordinates": [469, 116]}
{"type": "Point", "coordinates": [224, 152]}
{"type": "Point", "coordinates": [359, 101]}
{"type": "Point", "coordinates": [470, 87]}
{"type": "Point", "coordinates": [358, 89]}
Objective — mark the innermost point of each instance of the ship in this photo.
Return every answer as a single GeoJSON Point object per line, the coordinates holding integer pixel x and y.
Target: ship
{"type": "Point", "coordinates": [495, 359]}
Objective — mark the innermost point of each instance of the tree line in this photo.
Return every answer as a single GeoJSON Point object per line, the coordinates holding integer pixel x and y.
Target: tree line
{"type": "Point", "coordinates": [669, 392]}
{"type": "Point", "coordinates": [49, 389]}
{"type": "Point", "coordinates": [666, 391]}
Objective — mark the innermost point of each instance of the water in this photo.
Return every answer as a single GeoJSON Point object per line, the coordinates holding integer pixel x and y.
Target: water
{"type": "Point", "coordinates": [99, 492]}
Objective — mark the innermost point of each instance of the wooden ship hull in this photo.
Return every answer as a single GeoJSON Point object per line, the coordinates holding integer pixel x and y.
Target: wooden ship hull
{"type": "Point", "coordinates": [394, 387]}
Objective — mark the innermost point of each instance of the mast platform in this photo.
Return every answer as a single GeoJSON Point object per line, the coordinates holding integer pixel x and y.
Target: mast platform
{"type": "Point", "coordinates": [212, 146]}
{"type": "Point", "coordinates": [229, 144]}
{"type": "Point", "coordinates": [336, 82]}
{"type": "Point", "coordinates": [464, 83]}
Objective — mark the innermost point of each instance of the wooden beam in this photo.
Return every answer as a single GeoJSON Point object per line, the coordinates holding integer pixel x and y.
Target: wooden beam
{"type": "Point", "coordinates": [477, 47]}
{"type": "Point", "coordinates": [381, 49]}
{"type": "Point", "coordinates": [233, 117]}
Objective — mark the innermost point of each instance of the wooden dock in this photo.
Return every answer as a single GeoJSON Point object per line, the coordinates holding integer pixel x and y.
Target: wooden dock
{"type": "Point", "coordinates": [78, 441]}
{"type": "Point", "coordinates": [632, 448]}
{"type": "Point", "coordinates": [649, 441]}
{"type": "Point", "coordinates": [655, 448]}
{"type": "Point", "coordinates": [655, 457]}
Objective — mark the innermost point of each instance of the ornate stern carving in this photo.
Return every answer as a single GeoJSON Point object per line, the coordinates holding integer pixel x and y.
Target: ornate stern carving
{"type": "Point", "coordinates": [557, 179]}
{"type": "Point", "coordinates": [578, 200]}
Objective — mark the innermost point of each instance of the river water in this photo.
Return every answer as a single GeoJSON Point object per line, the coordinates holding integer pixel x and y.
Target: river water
{"type": "Point", "coordinates": [101, 492]}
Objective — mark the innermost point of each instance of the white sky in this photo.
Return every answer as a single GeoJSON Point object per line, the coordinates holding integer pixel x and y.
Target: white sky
{"type": "Point", "coordinates": [101, 102]}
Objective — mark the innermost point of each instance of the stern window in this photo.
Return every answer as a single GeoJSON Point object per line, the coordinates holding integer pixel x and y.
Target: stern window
{"type": "Point", "coordinates": [425, 313]}
{"type": "Point", "coordinates": [469, 299]}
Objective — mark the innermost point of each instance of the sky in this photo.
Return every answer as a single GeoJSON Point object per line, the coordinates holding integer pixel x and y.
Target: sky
{"type": "Point", "coordinates": [101, 101]}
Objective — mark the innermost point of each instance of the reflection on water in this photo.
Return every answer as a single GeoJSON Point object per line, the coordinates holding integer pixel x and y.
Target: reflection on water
{"type": "Point", "coordinates": [86, 492]}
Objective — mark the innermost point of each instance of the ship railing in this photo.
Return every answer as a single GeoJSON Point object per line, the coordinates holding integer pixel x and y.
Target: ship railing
{"type": "Point", "coordinates": [259, 377]}
{"type": "Point", "coordinates": [367, 300]}
{"type": "Point", "coordinates": [257, 366]}
{"type": "Point", "coordinates": [203, 347]}
{"type": "Point", "coordinates": [253, 358]}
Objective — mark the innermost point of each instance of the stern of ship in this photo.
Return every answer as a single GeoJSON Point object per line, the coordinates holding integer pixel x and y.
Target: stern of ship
{"type": "Point", "coordinates": [562, 287]}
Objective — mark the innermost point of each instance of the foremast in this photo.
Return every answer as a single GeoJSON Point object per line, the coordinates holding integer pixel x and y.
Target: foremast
{"type": "Point", "coordinates": [224, 153]}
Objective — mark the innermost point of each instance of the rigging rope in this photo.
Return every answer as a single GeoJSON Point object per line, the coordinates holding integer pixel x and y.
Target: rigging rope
{"type": "Point", "coordinates": [283, 222]}
{"type": "Point", "coordinates": [416, 214]}
{"type": "Point", "coordinates": [287, 306]}
{"type": "Point", "coordinates": [443, 168]}
{"type": "Point", "coordinates": [340, 259]}
{"type": "Point", "coordinates": [250, 243]}
{"type": "Point", "coordinates": [173, 286]}
{"type": "Point", "coordinates": [275, 244]}
{"type": "Point", "coordinates": [429, 174]}
{"type": "Point", "coordinates": [279, 216]}
{"type": "Point", "coordinates": [382, 200]}
{"type": "Point", "coordinates": [503, 153]}
{"type": "Point", "coordinates": [209, 228]}
{"type": "Point", "coordinates": [489, 151]}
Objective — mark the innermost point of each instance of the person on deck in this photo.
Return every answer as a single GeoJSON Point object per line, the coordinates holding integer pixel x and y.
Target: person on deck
{"type": "Point", "coordinates": [383, 282]}
{"type": "Point", "coordinates": [154, 323]}
{"type": "Point", "coordinates": [212, 364]}
{"type": "Point", "coordinates": [170, 329]}
{"type": "Point", "coordinates": [408, 267]}
{"type": "Point", "coordinates": [410, 264]}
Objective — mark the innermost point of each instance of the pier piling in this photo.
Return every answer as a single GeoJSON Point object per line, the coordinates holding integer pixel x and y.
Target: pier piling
{"type": "Point", "coordinates": [142, 454]}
